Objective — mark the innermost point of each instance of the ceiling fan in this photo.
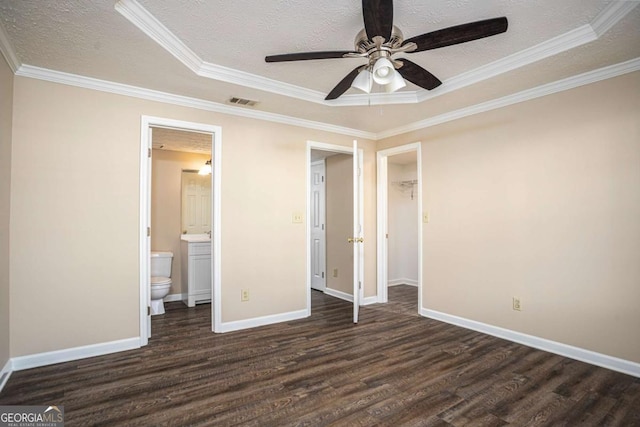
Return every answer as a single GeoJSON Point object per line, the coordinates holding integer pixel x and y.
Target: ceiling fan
{"type": "Point", "coordinates": [380, 40]}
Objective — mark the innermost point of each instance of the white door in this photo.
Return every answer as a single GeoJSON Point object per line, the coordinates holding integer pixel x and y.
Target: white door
{"type": "Point", "coordinates": [318, 236]}
{"type": "Point", "coordinates": [196, 203]}
{"type": "Point", "coordinates": [358, 241]}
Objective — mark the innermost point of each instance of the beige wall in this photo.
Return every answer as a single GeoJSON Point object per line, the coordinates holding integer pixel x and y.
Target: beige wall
{"type": "Point", "coordinates": [166, 203]}
{"type": "Point", "coordinates": [6, 105]}
{"type": "Point", "coordinates": [539, 200]}
{"type": "Point", "coordinates": [75, 215]}
{"type": "Point", "coordinates": [339, 211]}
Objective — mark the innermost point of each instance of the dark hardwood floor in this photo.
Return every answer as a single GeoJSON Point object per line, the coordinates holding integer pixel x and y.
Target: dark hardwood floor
{"type": "Point", "coordinates": [392, 369]}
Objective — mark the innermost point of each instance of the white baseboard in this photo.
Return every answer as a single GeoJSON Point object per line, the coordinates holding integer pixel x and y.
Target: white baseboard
{"type": "Point", "coordinates": [396, 282]}
{"type": "Point", "coordinates": [369, 300]}
{"type": "Point", "coordinates": [262, 321]}
{"type": "Point", "coordinates": [577, 353]}
{"type": "Point", "coordinates": [348, 297]}
{"type": "Point", "coordinates": [5, 373]}
{"type": "Point", "coordinates": [174, 297]}
{"type": "Point", "coordinates": [339, 294]}
{"type": "Point", "coordinates": [49, 358]}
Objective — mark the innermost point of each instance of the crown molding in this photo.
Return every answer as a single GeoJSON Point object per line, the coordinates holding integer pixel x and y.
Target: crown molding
{"type": "Point", "coordinates": [526, 95]}
{"type": "Point", "coordinates": [153, 95]}
{"type": "Point", "coordinates": [7, 50]}
{"type": "Point", "coordinates": [587, 33]}
{"type": "Point", "coordinates": [148, 24]}
{"type": "Point", "coordinates": [611, 15]}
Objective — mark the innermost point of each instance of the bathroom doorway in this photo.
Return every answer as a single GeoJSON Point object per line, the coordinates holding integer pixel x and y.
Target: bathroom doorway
{"type": "Point", "coordinates": [168, 149]}
{"type": "Point", "coordinates": [400, 224]}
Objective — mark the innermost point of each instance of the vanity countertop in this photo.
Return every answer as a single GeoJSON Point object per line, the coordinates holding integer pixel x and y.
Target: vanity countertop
{"type": "Point", "coordinates": [196, 238]}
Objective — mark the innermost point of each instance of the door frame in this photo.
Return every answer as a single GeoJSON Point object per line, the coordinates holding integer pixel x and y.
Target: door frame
{"type": "Point", "coordinates": [147, 122]}
{"type": "Point", "coordinates": [313, 145]}
{"type": "Point", "coordinates": [382, 218]}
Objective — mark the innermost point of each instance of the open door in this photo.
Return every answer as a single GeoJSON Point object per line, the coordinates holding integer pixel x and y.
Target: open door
{"type": "Point", "coordinates": [357, 239]}
{"type": "Point", "coordinates": [146, 252]}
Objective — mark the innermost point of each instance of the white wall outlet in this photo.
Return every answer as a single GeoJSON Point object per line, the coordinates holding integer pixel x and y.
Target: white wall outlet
{"type": "Point", "coordinates": [517, 304]}
{"type": "Point", "coordinates": [297, 218]}
{"type": "Point", "coordinates": [335, 272]}
{"type": "Point", "coordinates": [244, 295]}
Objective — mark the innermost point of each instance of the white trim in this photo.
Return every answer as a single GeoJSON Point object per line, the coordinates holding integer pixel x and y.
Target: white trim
{"type": "Point", "coordinates": [152, 95]}
{"type": "Point", "coordinates": [185, 101]}
{"type": "Point", "coordinates": [174, 297]}
{"type": "Point", "coordinates": [262, 321]}
{"type": "Point", "coordinates": [149, 25]}
{"type": "Point", "coordinates": [398, 282]}
{"type": "Point", "coordinates": [314, 145]}
{"type": "Point", "coordinates": [216, 235]}
{"type": "Point", "coordinates": [339, 294]}
{"type": "Point", "coordinates": [525, 95]}
{"type": "Point", "coordinates": [577, 353]}
{"type": "Point", "coordinates": [6, 48]}
{"type": "Point", "coordinates": [8, 370]}
{"type": "Point", "coordinates": [611, 15]}
{"type": "Point", "coordinates": [369, 300]}
{"type": "Point", "coordinates": [75, 353]}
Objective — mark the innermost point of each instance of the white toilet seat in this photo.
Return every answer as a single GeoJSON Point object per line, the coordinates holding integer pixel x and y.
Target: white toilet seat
{"type": "Point", "coordinates": [160, 281]}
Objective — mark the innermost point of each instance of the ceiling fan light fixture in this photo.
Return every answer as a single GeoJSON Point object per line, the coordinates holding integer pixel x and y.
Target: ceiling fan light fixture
{"type": "Point", "coordinates": [383, 71]}
{"type": "Point", "coordinates": [396, 83]}
{"type": "Point", "coordinates": [364, 81]}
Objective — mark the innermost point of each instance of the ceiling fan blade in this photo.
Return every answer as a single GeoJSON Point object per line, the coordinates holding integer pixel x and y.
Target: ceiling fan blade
{"type": "Point", "coordinates": [459, 34]}
{"type": "Point", "coordinates": [304, 56]}
{"type": "Point", "coordinates": [418, 75]}
{"type": "Point", "coordinates": [378, 18]}
{"type": "Point", "coordinates": [344, 84]}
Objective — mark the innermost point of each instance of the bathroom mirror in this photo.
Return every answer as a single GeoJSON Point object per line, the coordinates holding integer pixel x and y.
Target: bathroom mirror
{"type": "Point", "coordinates": [196, 202]}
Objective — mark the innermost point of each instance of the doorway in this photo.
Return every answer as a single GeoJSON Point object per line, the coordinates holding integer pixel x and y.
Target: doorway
{"type": "Point", "coordinates": [334, 226]}
{"type": "Point", "coordinates": [400, 220]}
{"type": "Point", "coordinates": [146, 143]}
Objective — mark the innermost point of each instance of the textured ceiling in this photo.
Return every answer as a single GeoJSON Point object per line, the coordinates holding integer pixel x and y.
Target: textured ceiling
{"type": "Point", "coordinates": [213, 50]}
{"type": "Point", "coordinates": [180, 140]}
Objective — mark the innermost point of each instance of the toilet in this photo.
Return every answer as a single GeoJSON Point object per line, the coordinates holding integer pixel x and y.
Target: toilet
{"type": "Point", "coordinates": [160, 280]}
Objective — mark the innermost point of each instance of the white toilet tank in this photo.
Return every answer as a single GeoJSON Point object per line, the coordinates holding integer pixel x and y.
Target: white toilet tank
{"type": "Point", "coordinates": [161, 264]}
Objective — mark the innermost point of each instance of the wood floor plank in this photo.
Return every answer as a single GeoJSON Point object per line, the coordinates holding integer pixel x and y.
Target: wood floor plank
{"type": "Point", "coordinates": [394, 368]}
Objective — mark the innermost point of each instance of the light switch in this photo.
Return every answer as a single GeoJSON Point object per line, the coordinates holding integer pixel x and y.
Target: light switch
{"type": "Point", "coordinates": [425, 217]}
{"type": "Point", "coordinates": [297, 218]}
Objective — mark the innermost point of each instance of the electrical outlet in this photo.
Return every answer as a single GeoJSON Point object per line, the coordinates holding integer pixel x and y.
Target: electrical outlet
{"type": "Point", "coordinates": [517, 304]}
{"type": "Point", "coordinates": [296, 218]}
{"type": "Point", "coordinates": [335, 272]}
{"type": "Point", "coordinates": [244, 295]}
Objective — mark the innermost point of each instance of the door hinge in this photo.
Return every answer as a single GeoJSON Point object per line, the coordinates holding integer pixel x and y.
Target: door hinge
{"type": "Point", "coordinates": [149, 153]}
{"type": "Point", "coordinates": [359, 285]}
{"type": "Point", "coordinates": [359, 172]}
{"type": "Point", "coordinates": [323, 274]}
{"type": "Point", "coordinates": [148, 231]}
{"type": "Point", "coordinates": [322, 178]}
{"type": "Point", "coordinates": [148, 311]}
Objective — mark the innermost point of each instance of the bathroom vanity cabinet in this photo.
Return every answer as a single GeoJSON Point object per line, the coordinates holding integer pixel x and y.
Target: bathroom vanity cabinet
{"type": "Point", "coordinates": [196, 271]}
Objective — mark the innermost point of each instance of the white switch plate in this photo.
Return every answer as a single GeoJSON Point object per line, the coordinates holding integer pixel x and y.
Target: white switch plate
{"type": "Point", "coordinates": [425, 217]}
{"type": "Point", "coordinates": [297, 218]}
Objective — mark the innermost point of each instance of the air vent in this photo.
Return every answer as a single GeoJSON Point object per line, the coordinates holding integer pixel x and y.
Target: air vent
{"type": "Point", "coordinates": [242, 101]}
